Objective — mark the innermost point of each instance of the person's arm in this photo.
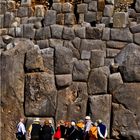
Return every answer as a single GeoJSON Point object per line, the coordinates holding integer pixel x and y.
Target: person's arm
{"type": "Point", "coordinates": [100, 134]}
{"type": "Point", "coordinates": [23, 129]}
{"type": "Point", "coordinates": [105, 133]}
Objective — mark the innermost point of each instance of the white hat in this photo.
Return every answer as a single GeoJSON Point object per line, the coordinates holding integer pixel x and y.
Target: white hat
{"type": "Point", "coordinates": [50, 121]}
{"type": "Point", "coordinates": [87, 118]}
{"type": "Point", "coordinates": [73, 123]}
{"type": "Point", "coordinates": [36, 120]}
{"type": "Point", "coordinates": [100, 121]}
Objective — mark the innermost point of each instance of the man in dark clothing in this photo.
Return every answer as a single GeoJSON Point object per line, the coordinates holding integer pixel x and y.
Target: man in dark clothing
{"type": "Point", "coordinates": [35, 130]}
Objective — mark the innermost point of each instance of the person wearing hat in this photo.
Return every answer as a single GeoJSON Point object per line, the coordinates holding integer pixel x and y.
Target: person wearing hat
{"type": "Point", "coordinates": [80, 127]}
{"type": "Point", "coordinates": [102, 130]}
{"type": "Point", "coordinates": [35, 130]}
{"type": "Point", "coordinates": [88, 124]}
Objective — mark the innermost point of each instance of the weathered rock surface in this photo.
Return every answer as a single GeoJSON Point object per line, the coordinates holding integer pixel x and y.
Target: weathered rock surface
{"type": "Point", "coordinates": [97, 82]}
{"type": "Point", "coordinates": [40, 94]}
{"type": "Point", "coordinates": [129, 62]}
{"type": "Point", "coordinates": [71, 101]}
{"type": "Point", "coordinates": [63, 62]}
{"type": "Point", "coordinates": [100, 108]}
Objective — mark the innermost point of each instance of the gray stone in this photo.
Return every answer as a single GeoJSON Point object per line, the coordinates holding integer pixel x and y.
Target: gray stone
{"type": "Point", "coordinates": [33, 20]}
{"type": "Point", "coordinates": [7, 39]}
{"type": "Point", "coordinates": [81, 18]}
{"type": "Point", "coordinates": [82, 8]}
{"type": "Point", "coordinates": [111, 53]}
{"type": "Point", "coordinates": [8, 19]}
{"type": "Point", "coordinates": [43, 33]}
{"type": "Point", "coordinates": [108, 10]}
{"type": "Point", "coordinates": [92, 6]}
{"type": "Point", "coordinates": [80, 32]}
{"type": "Point", "coordinates": [93, 33]}
{"type": "Point", "coordinates": [137, 5]}
{"type": "Point", "coordinates": [56, 31]}
{"type": "Point", "coordinates": [3, 7]}
{"type": "Point", "coordinates": [63, 80]}
{"type": "Point", "coordinates": [115, 80]}
{"type": "Point", "coordinates": [81, 70]}
{"type": "Point", "coordinates": [71, 101]}
{"type": "Point", "coordinates": [60, 19]}
{"type": "Point", "coordinates": [43, 43]}
{"type": "Point", "coordinates": [106, 20]}
{"type": "Point", "coordinates": [34, 61]}
{"type": "Point", "coordinates": [97, 59]}
{"type": "Point", "coordinates": [39, 11]}
{"type": "Point", "coordinates": [19, 31]}
{"type": "Point", "coordinates": [100, 107]}
{"type": "Point", "coordinates": [57, 7]}
{"type": "Point", "coordinates": [28, 31]}
{"type": "Point", "coordinates": [110, 2]}
{"type": "Point", "coordinates": [87, 1]}
{"type": "Point", "coordinates": [67, 7]}
{"type": "Point", "coordinates": [24, 20]}
{"type": "Point", "coordinates": [116, 44]}
{"type": "Point", "coordinates": [50, 17]}
{"type": "Point", "coordinates": [97, 82]}
{"type": "Point", "coordinates": [22, 12]}
{"type": "Point", "coordinates": [48, 60]}
{"type": "Point", "coordinates": [38, 25]}
{"type": "Point", "coordinates": [68, 33]}
{"type": "Point", "coordinates": [106, 34]}
{"type": "Point", "coordinates": [75, 51]}
{"type": "Point", "coordinates": [109, 61]}
{"type": "Point", "coordinates": [69, 19]}
{"type": "Point", "coordinates": [135, 28]}
{"type": "Point", "coordinates": [129, 62]}
{"type": "Point", "coordinates": [90, 16]}
{"type": "Point", "coordinates": [26, 2]}
{"type": "Point", "coordinates": [121, 35]}
{"type": "Point", "coordinates": [120, 19]}
{"type": "Point", "coordinates": [77, 42]}
{"type": "Point", "coordinates": [54, 43]}
{"type": "Point", "coordinates": [1, 21]}
{"type": "Point", "coordinates": [85, 55]}
{"type": "Point", "coordinates": [63, 60]}
{"type": "Point", "coordinates": [89, 45]}
{"type": "Point", "coordinates": [137, 38]}
{"type": "Point", "coordinates": [40, 94]}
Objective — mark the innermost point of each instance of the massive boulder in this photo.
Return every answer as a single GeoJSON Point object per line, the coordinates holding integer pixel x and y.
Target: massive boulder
{"type": "Point", "coordinates": [72, 102]}
{"type": "Point", "coordinates": [129, 62]}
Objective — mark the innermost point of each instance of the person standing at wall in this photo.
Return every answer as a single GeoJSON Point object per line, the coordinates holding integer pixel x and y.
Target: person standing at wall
{"type": "Point", "coordinates": [21, 131]}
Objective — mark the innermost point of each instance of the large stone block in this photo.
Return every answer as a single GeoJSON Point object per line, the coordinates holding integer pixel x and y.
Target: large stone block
{"type": "Point", "coordinates": [8, 19]}
{"type": "Point", "coordinates": [48, 60]}
{"type": "Point", "coordinates": [106, 34]}
{"type": "Point", "coordinates": [100, 108]}
{"type": "Point", "coordinates": [80, 32]}
{"type": "Point", "coordinates": [22, 12]}
{"type": "Point", "coordinates": [115, 80]}
{"type": "Point", "coordinates": [120, 19]}
{"type": "Point", "coordinates": [82, 8]}
{"type": "Point", "coordinates": [77, 42]}
{"type": "Point", "coordinates": [137, 38]}
{"type": "Point", "coordinates": [56, 31]}
{"type": "Point", "coordinates": [63, 80]}
{"type": "Point", "coordinates": [137, 5]}
{"type": "Point", "coordinates": [19, 31]}
{"type": "Point", "coordinates": [116, 44]}
{"type": "Point", "coordinates": [34, 61]}
{"type": "Point", "coordinates": [60, 19]}
{"type": "Point", "coordinates": [43, 44]}
{"type": "Point", "coordinates": [39, 11]}
{"type": "Point", "coordinates": [54, 43]}
{"type": "Point", "coordinates": [108, 10]}
{"type": "Point", "coordinates": [97, 58]}
{"type": "Point", "coordinates": [67, 7]}
{"type": "Point", "coordinates": [98, 80]}
{"type": "Point", "coordinates": [43, 33]}
{"type": "Point", "coordinates": [40, 95]}
{"type": "Point", "coordinates": [121, 35]}
{"type": "Point", "coordinates": [69, 19]}
{"type": "Point", "coordinates": [135, 28]}
{"type": "Point", "coordinates": [63, 60]}
{"type": "Point", "coordinates": [71, 101]}
{"type": "Point", "coordinates": [90, 16]}
{"type": "Point", "coordinates": [50, 17]}
{"type": "Point", "coordinates": [129, 62]}
{"type": "Point", "coordinates": [93, 33]}
{"type": "Point", "coordinates": [92, 6]}
{"type": "Point", "coordinates": [89, 45]}
{"type": "Point", "coordinates": [85, 55]}
{"type": "Point", "coordinates": [57, 7]}
{"type": "Point", "coordinates": [28, 31]}
{"type": "Point", "coordinates": [81, 70]}
{"type": "Point", "coordinates": [75, 51]}
{"type": "Point", "coordinates": [68, 33]}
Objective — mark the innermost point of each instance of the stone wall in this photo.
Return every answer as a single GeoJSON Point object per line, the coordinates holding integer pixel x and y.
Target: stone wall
{"type": "Point", "coordinates": [71, 60]}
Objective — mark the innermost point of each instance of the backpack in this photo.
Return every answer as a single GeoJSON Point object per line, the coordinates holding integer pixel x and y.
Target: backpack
{"type": "Point", "coordinates": [93, 131]}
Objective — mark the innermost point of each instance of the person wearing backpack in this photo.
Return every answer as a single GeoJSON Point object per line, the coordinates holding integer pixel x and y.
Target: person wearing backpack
{"type": "Point", "coordinates": [35, 130]}
{"type": "Point", "coordinates": [21, 131]}
{"type": "Point", "coordinates": [102, 130]}
{"type": "Point", "coordinates": [93, 132]}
